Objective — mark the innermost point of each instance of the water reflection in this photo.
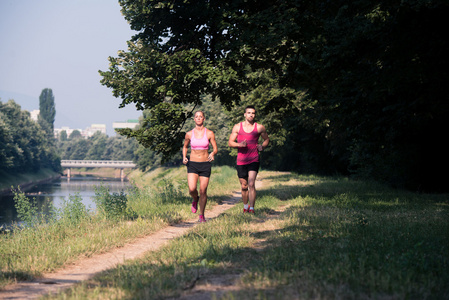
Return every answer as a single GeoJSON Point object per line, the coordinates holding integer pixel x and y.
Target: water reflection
{"type": "Point", "coordinates": [54, 192]}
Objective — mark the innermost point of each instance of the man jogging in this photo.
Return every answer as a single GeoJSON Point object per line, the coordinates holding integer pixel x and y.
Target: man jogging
{"type": "Point", "coordinates": [247, 134]}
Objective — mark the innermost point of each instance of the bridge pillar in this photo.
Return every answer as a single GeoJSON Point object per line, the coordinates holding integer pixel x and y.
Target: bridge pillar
{"type": "Point", "coordinates": [122, 174]}
{"type": "Point", "coordinates": [69, 171]}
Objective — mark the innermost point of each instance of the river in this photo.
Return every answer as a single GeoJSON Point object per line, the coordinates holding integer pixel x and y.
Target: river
{"type": "Point", "coordinates": [54, 192]}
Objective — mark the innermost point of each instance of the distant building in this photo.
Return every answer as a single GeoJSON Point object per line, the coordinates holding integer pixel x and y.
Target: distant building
{"type": "Point", "coordinates": [128, 124]}
{"type": "Point", "coordinates": [57, 131]}
{"type": "Point", "coordinates": [88, 132]}
{"type": "Point", "coordinates": [35, 114]}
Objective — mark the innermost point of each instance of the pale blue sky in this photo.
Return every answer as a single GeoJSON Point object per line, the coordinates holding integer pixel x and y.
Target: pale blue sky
{"type": "Point", "coordinates": [61, 45]}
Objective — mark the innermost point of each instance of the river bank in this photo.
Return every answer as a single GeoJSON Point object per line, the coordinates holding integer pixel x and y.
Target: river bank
{"type": "Point", "coordinates": [55, 192]}
{"type": "Point", "coordinates": [28, 180]}
{"type": "Point", "coordinates": [25, 181]}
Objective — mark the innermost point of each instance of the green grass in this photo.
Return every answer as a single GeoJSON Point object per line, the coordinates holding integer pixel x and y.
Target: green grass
{"type": "Point", "coordinates": [312, 238]}
{"type": "Point", "coordinates": [73, 232]}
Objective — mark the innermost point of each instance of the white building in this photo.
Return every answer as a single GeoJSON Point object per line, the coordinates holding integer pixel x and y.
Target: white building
{"type": "Point", "coordinates": [35, 114]}
{"type": "Point", "coordinates": [128, 124]}
{"type": "Point", "coordinates": [90, 131]}
{"type": "Point", "coordinates": [57, 131]}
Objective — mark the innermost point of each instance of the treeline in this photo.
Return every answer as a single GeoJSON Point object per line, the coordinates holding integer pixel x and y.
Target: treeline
{"type": "Point", "coordinates": [102, 147]}
{"type": "Point", "coordinates": [97, 147]}
{"type": "Point", "coordinates": [25, 145]}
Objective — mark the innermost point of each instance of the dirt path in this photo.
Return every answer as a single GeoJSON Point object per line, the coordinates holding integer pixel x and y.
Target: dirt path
{"type": "Point", "coordinates": [86, 268]}
{"type": "Point", "coordinates": [216, 286]}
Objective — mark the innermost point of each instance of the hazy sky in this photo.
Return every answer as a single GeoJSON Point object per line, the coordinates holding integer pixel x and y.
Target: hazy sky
{"type": "Point", "coordinates": [61, 45]}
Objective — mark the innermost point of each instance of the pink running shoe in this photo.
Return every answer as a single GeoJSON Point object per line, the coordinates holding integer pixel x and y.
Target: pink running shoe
{"type": "Point", "coordinates": [202, 219]}
{"type": "Point", "coordinates": [194, 207]}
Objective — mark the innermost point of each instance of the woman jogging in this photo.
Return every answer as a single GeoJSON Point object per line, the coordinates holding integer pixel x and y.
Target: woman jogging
{"type": "Point", "coordinates": [199, 165]}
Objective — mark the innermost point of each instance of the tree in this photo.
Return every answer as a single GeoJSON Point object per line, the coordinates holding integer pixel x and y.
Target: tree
{"type": "Point", "coordinates": [7, 149]}
{"type": "Point", "coordinates": [97, 146]}
{"type": "Point", "coordinates": [120, 148]}
{"type": "Point", "coordinates": [365, 80]}
{"type": "Point", "coordinates": [382, 72]}
{"type": "Point", "coordinates": [63, 136]}
{"type": "Point", "coordinates": [187, 49]}
{"type": "Point", "coordinates": [76, 134]}
{"type": "Point", "coordinates": [23, 143]}
{"type": "Point", "coordinates": [79, 148]}
{"type": "Point", "coordinates": [47, 110]}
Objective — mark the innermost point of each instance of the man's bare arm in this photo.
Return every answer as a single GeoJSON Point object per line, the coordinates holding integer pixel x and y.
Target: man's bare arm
{"type": "Point", "coordinates": [232, 143]}
{"type": "Point", "coordinates": [266, 139]}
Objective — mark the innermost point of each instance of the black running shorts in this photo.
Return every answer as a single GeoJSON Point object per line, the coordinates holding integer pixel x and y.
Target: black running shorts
{"type": "Point", "coordinates": [242, 170]}
{"type": "Point", "coordinates": [201, 168]}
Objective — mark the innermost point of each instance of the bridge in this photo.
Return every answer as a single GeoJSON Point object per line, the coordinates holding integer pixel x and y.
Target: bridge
{"type": "Point", "coordinates": [116, 164]}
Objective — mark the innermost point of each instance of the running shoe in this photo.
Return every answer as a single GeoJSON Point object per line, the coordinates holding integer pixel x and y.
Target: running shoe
{"type": "Point", "coordinates": [245, 210]}
{"type": "Point", "coordinates": [251, 211]}
{"type": "Point", "coordinates": [202, 219]}
{"type": "Point", "coordinates": [194, 207]}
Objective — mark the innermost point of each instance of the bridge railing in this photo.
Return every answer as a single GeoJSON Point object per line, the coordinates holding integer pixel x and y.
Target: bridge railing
{"type": "Point", "coordinates": [97, 164]}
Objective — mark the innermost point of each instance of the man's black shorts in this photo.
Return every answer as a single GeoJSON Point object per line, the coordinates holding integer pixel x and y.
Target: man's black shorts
{"type": "Point", "coordinates": [201, 168]}
{"type": "Point", "coordinates": [242, 170]}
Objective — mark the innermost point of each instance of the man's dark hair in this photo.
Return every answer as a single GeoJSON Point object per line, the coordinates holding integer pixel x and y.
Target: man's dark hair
{"type": "Point", "coordinates": [250, 106]}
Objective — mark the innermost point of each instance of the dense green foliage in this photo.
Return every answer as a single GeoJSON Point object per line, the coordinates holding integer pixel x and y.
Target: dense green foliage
{"type": "Point", "coordinates": [24, 145]}
{"type": "Point", "coordinates": [47, 109]}
{"type": "Point", "coordinates": [112, 206]}
{"type": "Point", "coordinates": [101, 147]}
{"type": "Point", "coordinates": [344, 86]}
{"type": "Point", "coordinates": [97, 147]}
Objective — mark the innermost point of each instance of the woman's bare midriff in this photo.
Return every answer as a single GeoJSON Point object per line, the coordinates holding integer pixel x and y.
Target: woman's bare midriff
{"type": "Point", "coordinates": [199, 155]}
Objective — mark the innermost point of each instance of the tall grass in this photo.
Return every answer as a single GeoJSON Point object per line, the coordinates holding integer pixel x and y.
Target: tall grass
{"type": "Point", "coordinates": [360, 240]}
{"type": "Point", "coordinates": [48, 241]}
{"type": "Point", "coordinates": [312, 238]}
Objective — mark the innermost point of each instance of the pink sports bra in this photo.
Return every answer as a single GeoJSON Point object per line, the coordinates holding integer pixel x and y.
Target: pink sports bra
{"type": "Point", "coordinates": [199, 144]}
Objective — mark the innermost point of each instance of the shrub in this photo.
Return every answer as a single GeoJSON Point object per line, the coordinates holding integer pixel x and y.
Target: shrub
{"type": "Point", "coordinates": [73, 210]}
{"type": "Point", "coordinates": [111, 206]}
{"type": "Point", "coordinates": [26, 208]}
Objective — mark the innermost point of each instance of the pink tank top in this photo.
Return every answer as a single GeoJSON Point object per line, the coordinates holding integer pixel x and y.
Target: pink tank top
{"type": "Point", "coordinates": [199, 144]}
{"type": "Point", "coordinates": [248, 154]}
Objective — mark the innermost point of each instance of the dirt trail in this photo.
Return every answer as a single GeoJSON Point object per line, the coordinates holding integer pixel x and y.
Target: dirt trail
{"type": "Point", "coordinates": [86, 268]}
